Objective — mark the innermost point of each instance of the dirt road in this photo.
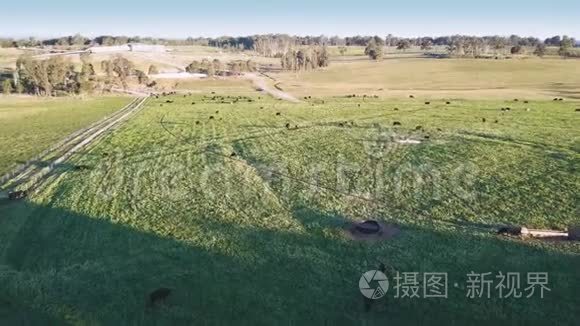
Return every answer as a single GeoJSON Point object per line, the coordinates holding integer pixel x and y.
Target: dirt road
{"type": "Point", "coordinates": [29, 176]}
{"type": "Point", "coordinates": [261, 84]}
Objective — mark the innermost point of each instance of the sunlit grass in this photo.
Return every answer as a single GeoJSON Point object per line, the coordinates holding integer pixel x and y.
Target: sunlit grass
{"type": "Point", "coordinates": [256, 237]}
{"type": "Point", "coordinates": [439, 78]}
{"type": "Point", "coordinates": [28, 125]}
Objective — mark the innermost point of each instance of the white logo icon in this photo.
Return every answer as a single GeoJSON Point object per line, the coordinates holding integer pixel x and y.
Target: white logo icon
{"type": "Point", "coordinates": [380, 288]}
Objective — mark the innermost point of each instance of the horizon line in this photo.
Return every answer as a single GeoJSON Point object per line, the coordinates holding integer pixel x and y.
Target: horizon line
{"type": "Point", "coordinates": [92, 36]}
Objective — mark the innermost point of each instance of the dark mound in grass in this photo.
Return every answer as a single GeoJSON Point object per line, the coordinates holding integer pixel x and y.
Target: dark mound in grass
{"type": "Point", "coordinates": [371, 230]}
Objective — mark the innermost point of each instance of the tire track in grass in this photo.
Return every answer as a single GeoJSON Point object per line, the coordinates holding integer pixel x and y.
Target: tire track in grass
{"type": "Point", "coordinates": [269, 134]}
{"type": "Point", "coordinates": [241, 148]}
{"type": "Point", "coordinates": [273, 146]}
{"type": "Point", "coordinates": [277, 173]}
{"type": "Point", "coordinates": [224, 141]}
{"type": "Point", "coordinates": [288, 176]}
{"type": "Point", "coordinates": [188, 143]}
{"type": "Point", "coordinates": [327, 144]}
{"type": "Point", "coordinates": [339, 193]}
{"type": "Point", "coordinates": [26, 169]}
{"type": "Point", "coordinates": [216, 186]}
{"type": "Point", "coordinates": [516, 143]}
{"type": "Point", "coordinates": [114, 169]}
{"type": "Point", "coordinates": [409, 156]}
{"type": "Point", "coordinates": [269, 145]}
{"type": "Point", "coordinates": [249, 175]}
{"type": "Point", "coordinates": [483, 214]}
{"type": "Point", "coordinates": [32, 181]}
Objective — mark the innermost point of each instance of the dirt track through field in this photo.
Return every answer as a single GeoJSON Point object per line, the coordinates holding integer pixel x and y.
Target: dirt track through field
{"type": "Point", "coordinates": [29, 176]}
{"type": "Point", "coordinates": [261, 84]}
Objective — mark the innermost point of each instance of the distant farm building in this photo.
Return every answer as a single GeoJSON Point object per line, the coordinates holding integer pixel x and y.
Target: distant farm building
{"type": "Point", "coordinates": [137, 47]}
{"type": "Point", "coordinates": [131, 47]}
{"type": "Point", "coordinates": [177, 75]}
{"type": "Point", "coordinates": [105, 49]}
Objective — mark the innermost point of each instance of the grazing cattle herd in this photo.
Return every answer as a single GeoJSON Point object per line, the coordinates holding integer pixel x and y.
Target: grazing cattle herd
{"type": "Point", "coordinates": [160, 296]}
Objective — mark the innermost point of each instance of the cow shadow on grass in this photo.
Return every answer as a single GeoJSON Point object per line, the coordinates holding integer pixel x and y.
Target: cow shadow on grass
{"type": "Point", "coordinates": [82, 269]}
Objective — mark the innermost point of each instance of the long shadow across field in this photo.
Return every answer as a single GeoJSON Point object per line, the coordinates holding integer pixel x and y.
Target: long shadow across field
{"type": "Point", "coordinates": [88, 269]}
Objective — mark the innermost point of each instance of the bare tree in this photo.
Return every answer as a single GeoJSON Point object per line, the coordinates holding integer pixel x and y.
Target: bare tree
{"type": "Point", "coordinates": [498, 44]}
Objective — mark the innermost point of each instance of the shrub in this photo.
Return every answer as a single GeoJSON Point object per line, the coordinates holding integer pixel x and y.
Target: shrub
{"type": "Point", "coordinates": [7, 87]}
{"type": "Point", "coordinates": [153, 70]}
{"type": "Point", "coordinates": [516, 49]}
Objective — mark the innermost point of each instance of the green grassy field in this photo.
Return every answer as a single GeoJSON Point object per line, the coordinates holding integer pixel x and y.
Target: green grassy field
{"type": "Point", "coordinates": [388, 51]}
{"type": "Point", "coordinates": [443, 78]}
{"type": "Point", "coordinates": [231, 86]}
{"type": "Point", "coordinates": [28, 125]}
{"type": "Point", "coordinates": [257, 237]}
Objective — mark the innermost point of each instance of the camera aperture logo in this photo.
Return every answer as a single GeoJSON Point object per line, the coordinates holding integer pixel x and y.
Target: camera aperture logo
{"type": "Point", "coordinates": [373, 284]}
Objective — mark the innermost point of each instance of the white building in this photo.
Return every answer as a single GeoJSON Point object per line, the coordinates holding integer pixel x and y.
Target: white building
{"type": "Point", "coordinates": [138, 47]}
{"type": "Point", "coordinates": [131, 47]}
{"type": "Point", "coordinates": [178, 75]}
{"type": "Point", "coordinates": [106, 49]}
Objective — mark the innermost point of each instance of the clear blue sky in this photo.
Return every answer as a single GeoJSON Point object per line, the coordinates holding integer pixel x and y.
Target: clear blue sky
{"type": "Point", "coordinates": [182, 18]}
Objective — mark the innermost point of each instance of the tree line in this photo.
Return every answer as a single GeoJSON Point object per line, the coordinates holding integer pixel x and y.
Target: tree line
{"type": "Point", "coordinates": [477, 47]}
{"type": "Point", "coordinates": [218, 68]}
{"type": "Point", "coordinates": [276, 44]}
{"type": "Point", "coordinates": [54, 76]}
{"type": "Point", "coordinates": [305, 58]}
{"type": "Point", "coordinates": [471, 46]}
{"type": "Point", "coordinates": [58, 76]}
